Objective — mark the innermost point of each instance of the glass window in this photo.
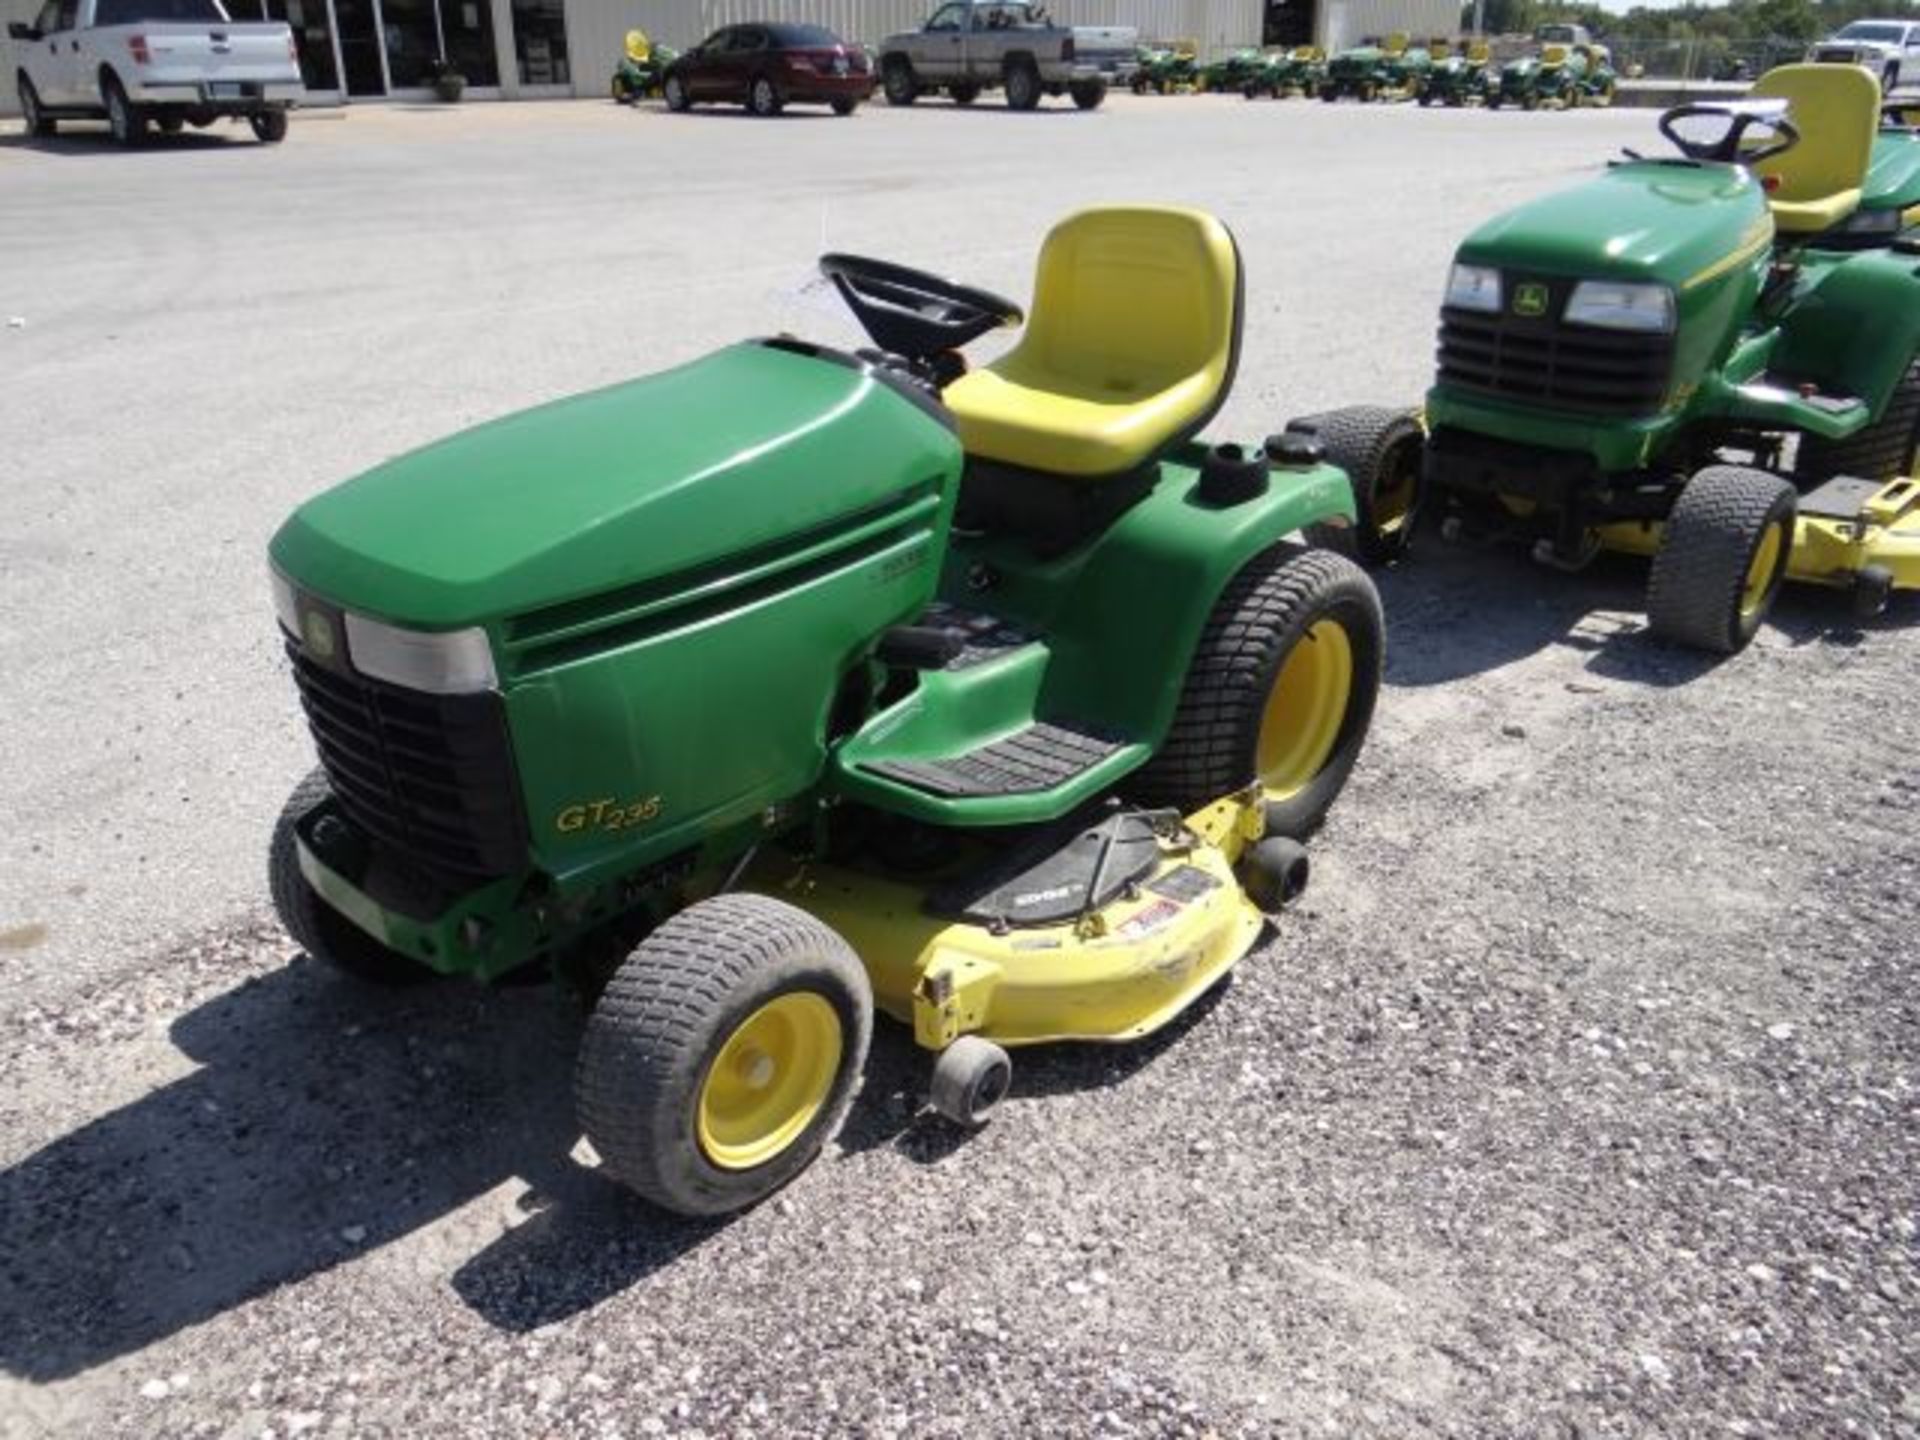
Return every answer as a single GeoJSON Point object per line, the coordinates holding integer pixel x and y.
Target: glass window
{"type": "Point", "coordinates": [48, 20]}
{"type": "Point", "coordinates": [69, 15]}
{"type": "Point", "coordinates": [949, 17]}
{"type": "Point", "coordinates": [135, 12]}
{"type": "Point", "coordinates": [540, 42]}
{"type": "Point", "coordinates": [796, 37]}
{"type": "Point", "coordinates": [467, 26]}
{"type": "Point", "coordinates": [749, 37]}
{"type": "Point", "coordinates": [412, 41]}
{"type": "Point", "coordinates": [308, 21]}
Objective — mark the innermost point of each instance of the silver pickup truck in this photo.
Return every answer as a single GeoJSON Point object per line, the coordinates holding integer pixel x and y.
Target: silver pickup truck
{"type": "Point", "coordinates": [973, 45]}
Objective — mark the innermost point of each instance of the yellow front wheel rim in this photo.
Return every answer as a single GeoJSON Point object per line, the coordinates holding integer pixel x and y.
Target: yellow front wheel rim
{"type": "Point", "coordinates": [1753, 593]}
{"type": "Point", "coordinates": [1393, 500]}
{"type": "Point", "coordinates": [1305, 710]}
{"type": "Point", "coordinates": [769, 1080]}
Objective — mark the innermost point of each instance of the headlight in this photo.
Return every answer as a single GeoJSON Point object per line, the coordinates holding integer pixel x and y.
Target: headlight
{"type": "Point", "coordinates": [1614, 305]}
{"type": "Point", "coordinates": [444, 662]}
{"type": "Point", "coordinates": [284, 604]}
{"type": "Point", "coordinates": [1474, 287]}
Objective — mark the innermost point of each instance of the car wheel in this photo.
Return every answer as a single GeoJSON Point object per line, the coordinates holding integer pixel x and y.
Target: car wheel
{"type": "Point", "coordinates": [126, 120]}
{"type": "Point", "coordinates": [1023, 86]}
{"type": "Point", "coordinates": [763, 99]}
{"type": "Point", "coordinates": [897, 79]}
{"type": "Point", "coordinates": [37, 121]}
{"type": "Point", "coordinates": [269, 126]}
{"type": "Point", "coordinates": [675, 91]}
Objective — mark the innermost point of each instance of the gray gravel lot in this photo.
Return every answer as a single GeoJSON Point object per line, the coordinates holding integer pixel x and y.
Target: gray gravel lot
{"type": "Point", "coordinates": [1578, 1097]}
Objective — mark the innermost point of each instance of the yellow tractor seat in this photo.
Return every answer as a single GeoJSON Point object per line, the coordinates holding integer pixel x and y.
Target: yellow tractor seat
{"type": "Point", "coordinates": [1553, 55]}
{"type": "Point", "coordinates": [1479, 53]}
{"type": "Point", "coordinates": [638, 46]}
{"type": "Point", "coordinates": [1130, 345]}
{"type": "Point", "coordinates": [1397, 42]}
{"type": "Point", "coordinates": [1836, 108]}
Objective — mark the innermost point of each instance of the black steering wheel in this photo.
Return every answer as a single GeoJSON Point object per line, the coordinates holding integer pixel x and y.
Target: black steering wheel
{"type": "Point", "coordinates": [1899, 114]}
{"type": "Point", "coordinates": [1730, 146]}
{"type": "Point", "coordinates": [909, 312]}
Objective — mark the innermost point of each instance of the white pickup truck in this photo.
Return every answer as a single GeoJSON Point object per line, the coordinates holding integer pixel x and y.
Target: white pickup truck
{"type": "Point", "coordinates": [972, 45]}
{"type": "Point", "coordinates": [153, 62]}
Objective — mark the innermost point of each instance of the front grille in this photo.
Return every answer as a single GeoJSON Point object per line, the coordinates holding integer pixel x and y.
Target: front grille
{"type": "Point", "coordinates": [430, 776]}
{"type": "Point", "coordinates": [1542, 361]}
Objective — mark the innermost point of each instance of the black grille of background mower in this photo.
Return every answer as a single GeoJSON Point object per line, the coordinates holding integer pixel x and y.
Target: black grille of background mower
{"type": "Point", "coordinates": [1538, 359]}
{"type": "Point", "coordinates": [430, 776]}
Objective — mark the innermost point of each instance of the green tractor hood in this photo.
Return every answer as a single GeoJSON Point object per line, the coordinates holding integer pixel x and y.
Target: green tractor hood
{"type": "Point", "coordinates": [1648, 220]}
{"type": "Point", "coordinates": [753, 446]}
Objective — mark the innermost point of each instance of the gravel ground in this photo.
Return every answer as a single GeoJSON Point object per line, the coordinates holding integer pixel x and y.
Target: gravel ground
{"type": "Point", "coordinates": [1576, 1098]}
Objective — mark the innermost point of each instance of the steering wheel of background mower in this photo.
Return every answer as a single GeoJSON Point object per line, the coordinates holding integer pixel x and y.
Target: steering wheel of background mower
{"type": "Point", "coordinates": [1900, 114]}
{"type": "Point", "coordinates": [1729, 146]}
{"type": "Point", "coordinates": [911, 313]}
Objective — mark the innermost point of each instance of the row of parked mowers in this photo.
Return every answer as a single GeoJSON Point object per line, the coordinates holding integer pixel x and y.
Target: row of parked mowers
{"type": "Point", "coordinates": [1440, 71]}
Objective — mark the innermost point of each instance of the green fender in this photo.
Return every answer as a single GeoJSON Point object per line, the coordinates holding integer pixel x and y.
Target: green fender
{"type": "Point", "coordinates": [1857, 329]}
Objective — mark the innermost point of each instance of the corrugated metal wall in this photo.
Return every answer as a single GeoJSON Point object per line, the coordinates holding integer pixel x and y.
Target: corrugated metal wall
{"type": "Point", "coordinates": [1342, 23]}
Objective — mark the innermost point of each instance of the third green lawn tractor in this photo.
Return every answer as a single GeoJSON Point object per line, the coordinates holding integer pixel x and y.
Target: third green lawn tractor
{"type": "Point", "coordinates": [1676, 359]}
{"type": "Point", "coordinates": [643, 65]}
{"type": "Point", "coordinates": [1165, 70]}
{"type": "Point", "coordinates": [1364, 71]}
{"type": "Point", "coordinates": [1459, 76]}
{"type": "Point", "coordinates": [1231, 71]}
{"type": "Point", "coordinates": [792, 683]}
{"type": "Point", "coordinates": [1287, 72]}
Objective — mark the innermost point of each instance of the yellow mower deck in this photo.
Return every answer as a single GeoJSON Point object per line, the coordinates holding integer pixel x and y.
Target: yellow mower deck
{"type": "Point", "coordinates": [1828, 549]}
{"type": "Point", "coordinates": [1117, 974]}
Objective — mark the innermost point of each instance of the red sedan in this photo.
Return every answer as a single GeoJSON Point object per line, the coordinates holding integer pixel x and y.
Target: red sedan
{"type": "Point", "coordinates": [767, 67]}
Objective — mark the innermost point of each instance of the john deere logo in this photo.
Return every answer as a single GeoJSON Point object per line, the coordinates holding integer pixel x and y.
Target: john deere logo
{"type": "Point", "coordinates": [319, 634]}
{"type": "Point", "coordinates": [1530, 300]}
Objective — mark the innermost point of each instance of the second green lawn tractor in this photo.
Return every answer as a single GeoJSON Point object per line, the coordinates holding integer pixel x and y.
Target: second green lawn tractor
{"type": "Point", "coordinates": [1676, 360]}
{"type": "Point", "coordinates": [990, 698]}
{"type": "Point", "coordinates": [1164, 70]}
{"type": "Point", "coordinates": [1458, 77]}
{"type": "Point", "coordinates": [1374, 70]}
{"type": "Point", "coordinates": [1231, 71]}
{"type": "Point", "coordinates": [1298, 71]}
{"type": "Point", "coordinates": [642, 67]}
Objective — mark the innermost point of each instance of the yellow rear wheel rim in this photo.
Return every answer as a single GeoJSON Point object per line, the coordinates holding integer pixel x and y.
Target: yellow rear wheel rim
{"type": "Point", "coordinates": [1753, 593]}
{"type": "Point", "coordinates": [1305, 710]}
{"type": "Point", "coordinates": [769, 1080]}
{"type": "Point", "coordinates": [1393, 501]}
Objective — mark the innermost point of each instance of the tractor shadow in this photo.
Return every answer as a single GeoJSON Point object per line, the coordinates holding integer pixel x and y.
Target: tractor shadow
{"type": "Point", "coordinates": [324, 1119]}
{"type": "Point", "coordinates": [96, 141]}
{"type": "Point", "coordinates": [1459, 610]}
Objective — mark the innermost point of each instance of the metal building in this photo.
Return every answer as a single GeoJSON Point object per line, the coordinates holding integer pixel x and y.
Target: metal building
{"type": "Point", "coordinates": [535, 49]}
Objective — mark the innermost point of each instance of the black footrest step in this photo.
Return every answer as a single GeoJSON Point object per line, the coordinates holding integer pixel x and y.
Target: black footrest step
{"type": "Point", "coordinates": [1040, 757]}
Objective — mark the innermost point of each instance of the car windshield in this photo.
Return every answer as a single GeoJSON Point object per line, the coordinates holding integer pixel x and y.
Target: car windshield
{"type": "Point", "coordinates": [1863, 30]}
{"type": "Point", "coordinates": [794, 37]}
{"type": "Point", "coordinates": [141, 12]}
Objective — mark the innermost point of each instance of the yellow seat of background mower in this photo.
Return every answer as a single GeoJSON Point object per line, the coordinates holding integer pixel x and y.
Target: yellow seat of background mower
{"type": "Point", "coordinates": [1836, 109]}
{"type": "Point", "coordinates": [1130, 345]}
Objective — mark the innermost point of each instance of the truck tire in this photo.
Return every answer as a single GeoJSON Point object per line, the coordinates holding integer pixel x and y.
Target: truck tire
{"type": "Point", "coordinates": [1381, 450]}
{"type": "Point", "coordinates": [1883, 450]}
{"type": "Point", "coordinates": [1088, 94]}
{"type": "Point", "coordinates": [312, 924]}
{"type": "Point", "coordinates": [1280, 691]}
{"type": "Point", "coordinates": [1022, 83]}
{"type": "Point", "coordinates": [126, 120]}
{"type": "Point", "coordinates": [1722, 558]}
{"type": "Point", "coordinates": [899, 81]}
{"type": "Point", "coordinates": [269, 126]}
{"type": "Point", "coordinates": [723, 1054]}
{"type": "Point", "coordinates": [39, 124]}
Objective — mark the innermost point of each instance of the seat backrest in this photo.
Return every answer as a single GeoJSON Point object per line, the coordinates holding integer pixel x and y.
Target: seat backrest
{"type": "Point", "coordinates": [1836, 109]}
{"type": "Point", "coordinates": [1306, 52]}
{"type": "Point", "coordinates": [1145, 294]}
{"type": "Point", "coordinates": [1439, 49]}
{"type": "Point", "coordinates": [1479, 52]}
{"type": "Point", "coordinates": [1396, 42]}
{"type": "Point", "coordinates": [1553, 55]}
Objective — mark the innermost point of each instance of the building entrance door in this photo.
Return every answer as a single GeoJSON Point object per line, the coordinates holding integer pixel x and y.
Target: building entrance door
{"type": "Point", "coordinates": [358, 25]}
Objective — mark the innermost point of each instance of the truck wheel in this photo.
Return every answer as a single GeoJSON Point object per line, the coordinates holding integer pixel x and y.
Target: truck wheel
{"type": "Point", "coordinates": [1381, 450]}
{"type": "Point", "coordinates": [763, 100]}
{"type": "Point", "coordinates": [269, 126]}
{"type": "Point", "coordinates": [312, 924]}
{"type": "Point", "coordinates": [1279, 692]}
{"type": "Point", "coordinates": [723, 1054]}
{"type": "Point", "coordinates": [674, 92]}
{"type": "Point", "coordinates": [1883, 450]}
{"type": "Point", "coordinates": [898, 80]}
{"type": "Point", "coordinates": [1023, 85]}
{"type": "Point", "coordinates": [39, 124]}
{"type": "Point", "coordinates": [965, 93]}
{"type": "Point", "coordinates": [1889, 77]}
{"type": "Point", "coordinates": [1088, 94]}
{"type": "Point", "coordinates": [1722, 558]}
{"type": "Point", "coordinates": [126, 120]}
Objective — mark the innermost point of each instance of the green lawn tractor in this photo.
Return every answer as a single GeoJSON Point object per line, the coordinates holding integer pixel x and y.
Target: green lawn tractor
{"type": "Point", "coordinates": [987, 697]}
{"type": "Point", "coordinates": [1459, 77]}
{"type": "Point", "coordinates": [1365, 72]}
{"type": "Point", "coordinates": [643, 65]}
{"type": "Point", "coordinates": [1232, 71]}
{"type": "Point", "coordinates": [1298, 71]}
{"type": "Point", "coordinates": [1675, 360]}
{"type": "Point", "coordinates": [1406, 70]}
{"type": "Point", "coordinates": [1558, 77]}
{"type": "Point", "coordinates": [1164, 70]}
{"type": "Point", "coordinates": [1890, 194]}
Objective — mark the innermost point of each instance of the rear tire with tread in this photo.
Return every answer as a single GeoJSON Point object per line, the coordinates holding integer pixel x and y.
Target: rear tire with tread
{"type": "Point", "coordinates": [1884, 450]}
{"type": "Point", "coordinates": [1381, 450]}
{"type": "Point", "coordinates": [1697, 594]}
{"type": "Point", "coordinates": [1022, 83]}
{"type": "Point", "coordinates": [1087, 95]}
{"type": "Point", "coordinates": [897, 79]}
{"type": "Point", "coordinates": [269, 126]}
{"type": "Point", "coordinates": [667, 1015]}
{"type": "Point", "coordinates": [126, 120]}
{"type": "Point", "coordinates": [674, 91]}
{"type": "Point", "coordinates": [40, 125]}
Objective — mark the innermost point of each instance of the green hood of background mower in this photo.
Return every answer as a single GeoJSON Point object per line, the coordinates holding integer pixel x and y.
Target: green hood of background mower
{"type": "Point", "coordinates": [656, 477]}
{"type": "Point", "coordinates": [1648, 220]}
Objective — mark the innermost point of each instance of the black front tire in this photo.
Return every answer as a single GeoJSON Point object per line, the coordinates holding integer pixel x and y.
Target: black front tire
{"type": "Point", "coordinates": [1088, 94]}
{"type": "Point", "coordinates": [843, 108]}
{"type": "Point", "coordinates": [40, 125]}
{"type": "Point", "coordinates": [763, 99]}
{"type": "Point", "coordinates": [126, 120]}
{"type": "Point", "coordinates": [269, 126]}
{"type": "Point", "coordinates": [897, 79]}
{"type": "Point", "coordinates": [674, 92]}
{"type": "Point", "coordinates": [1023, 87]}
{"type": "Point", "coordinates": [644, 1085]}
{"type": "Point", "coordinates": [1883, 450]}
{"type": "Point", "coordinates": [312, 924]}
{"type": "Point", "coordinates": [1381, 450]}
{"type": "Point", "coordinates": [1722, 558]}
{"type": "Point", "coordinates": [1269, 610]}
